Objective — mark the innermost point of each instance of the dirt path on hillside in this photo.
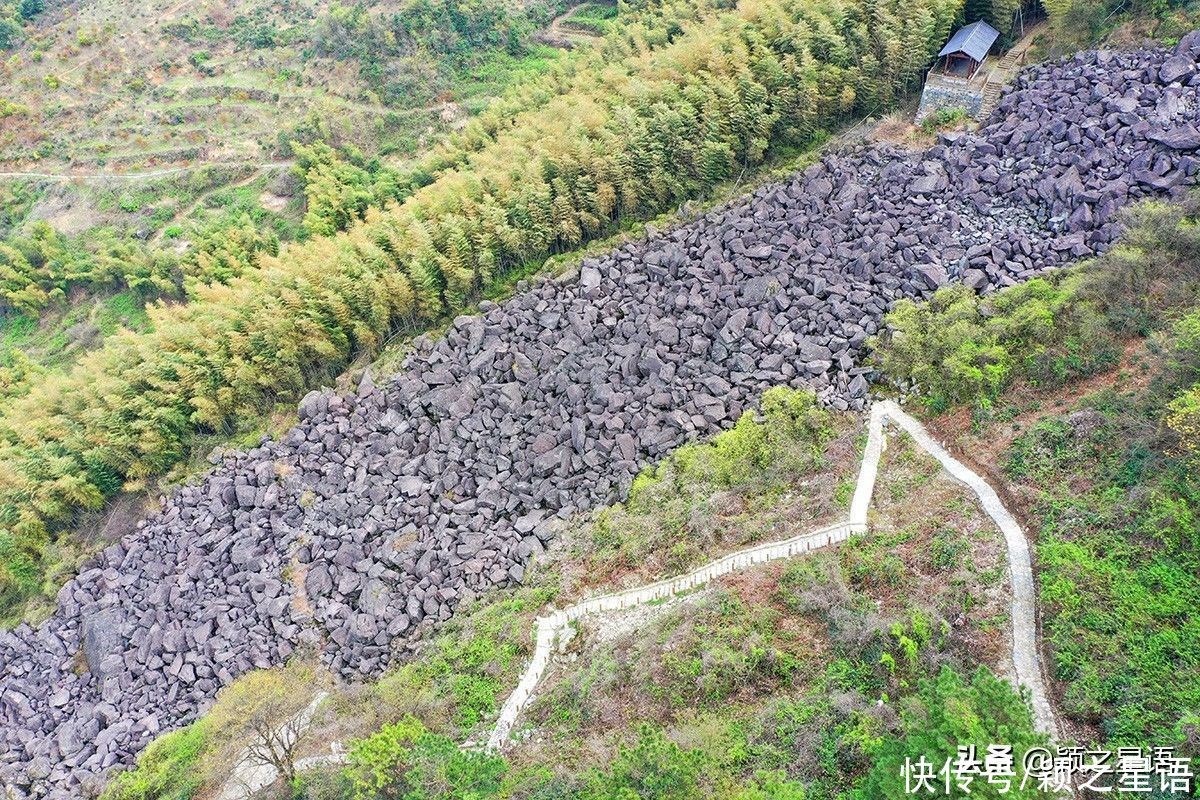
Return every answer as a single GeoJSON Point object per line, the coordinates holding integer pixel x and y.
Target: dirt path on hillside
{"type": "Point", "coordinates": [140, 176]}
{"type": "Point", "coordinates": [184, 213]}
{"type": "Point", "coordinates": [559, 33]}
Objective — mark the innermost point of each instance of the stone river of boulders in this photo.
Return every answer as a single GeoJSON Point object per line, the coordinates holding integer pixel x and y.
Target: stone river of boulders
{"type": "Point", "coordinates": [383, 510]}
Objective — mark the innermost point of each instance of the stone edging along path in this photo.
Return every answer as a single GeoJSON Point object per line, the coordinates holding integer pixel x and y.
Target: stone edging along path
{"type": "Point", "coordinates": [1025, 653]}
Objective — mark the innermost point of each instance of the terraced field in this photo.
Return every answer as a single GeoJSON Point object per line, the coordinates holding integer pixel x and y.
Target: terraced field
{"type": "Point", "coordinates": [104, 88]}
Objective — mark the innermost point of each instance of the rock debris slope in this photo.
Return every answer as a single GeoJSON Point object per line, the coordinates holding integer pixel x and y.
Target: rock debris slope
{"type": "Point", "coordinates": [381, 511]}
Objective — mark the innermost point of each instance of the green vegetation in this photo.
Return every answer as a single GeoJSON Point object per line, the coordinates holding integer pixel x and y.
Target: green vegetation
{"type": "Point", "coordinates": [248, 720]}
{"type": "Point", "coordinates": [452, 35]}
{"type": "Point", "coordinates": [338, 191]}
{"type": "Point", "coordinates": [677, 509]}
{"type": "Point", "coordinates": [16, 199]}
{"type": "Point", "coordinates": [13, 18]}
{"type": "Point", "coordinates": [1076, 24]}
{"type": "Point", "coordinates": [168, 769]}
{"type": "Point", "coordinates": [40, 267]}
{"type": "Point", "coordinates": [1115, 486]}
{"type": "Point", "coordinates": [809, 681]}
{"type": "Point", "coordinates": [592, 18]}
{"type": "Point", "coordinates": [228, 78]}
{"type": "Point", "coordinates": [405, 761]}
{"type": "Point", "coordinates": [470, 664]}
{"type": "Point", "coordinates": [645, 132]}
{"type": "Point", "coordinates": [947, 711]}
{"type": "Point", "coordinates": [965, 350]}
{"type": "Point", "coordinates": [790, 437]}
{"type": "Point", "coordinates": [945, 119]}
{"type": "Point", "coordinates": [1117, 551]}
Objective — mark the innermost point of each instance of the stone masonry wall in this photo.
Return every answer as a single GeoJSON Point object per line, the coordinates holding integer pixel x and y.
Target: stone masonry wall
{"type": "Point", "coordinates": [940, 93]}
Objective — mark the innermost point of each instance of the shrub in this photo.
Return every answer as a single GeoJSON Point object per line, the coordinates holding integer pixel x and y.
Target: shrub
{"type": "Point", "coordinates": [168, 769]}
{"type": "Point", "coordinates": [949, 712]}
{"type": "Point", "coordinates": [654, 766]}
{"type": "Point", "coordinates": [964, 350]}
{"type": "Point", "coordinates": [788, 435]}
{"type": "Point", "coordinates": [944, 118]}
{"type": "Point", "coordinates": [406, 762]}
{"type": "Point", "coordinates": [10, 109]}
{"type": "Point", "coordinates": [261, 713]}
{"type": "Point", "coordinates": [946, 549]}
{"type": "Point", "coordinates": [1183, 418]}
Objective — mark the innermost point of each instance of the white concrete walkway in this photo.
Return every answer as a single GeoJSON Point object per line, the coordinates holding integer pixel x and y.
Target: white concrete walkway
{"type": "Point", "coordinates": [552, 627]}
{"type": "Point", "coordinates": [250, 777]}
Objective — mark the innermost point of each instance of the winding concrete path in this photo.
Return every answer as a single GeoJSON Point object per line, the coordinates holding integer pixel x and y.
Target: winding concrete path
{"type": "Point", "coordinates": [555, 627]}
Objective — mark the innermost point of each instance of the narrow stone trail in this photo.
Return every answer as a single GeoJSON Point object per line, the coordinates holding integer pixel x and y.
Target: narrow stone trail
{"type": "Point", "coordinates": [1025, 653]}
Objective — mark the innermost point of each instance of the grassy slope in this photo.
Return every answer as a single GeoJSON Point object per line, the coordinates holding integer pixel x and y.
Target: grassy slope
{"type": "Point", "coordinates": [166, 72]}
{"type": "Point", "coordinates": [1082, 429]}
{"type": "Point", "coordinates": [1118, 576]}
{"type": "Point", "coordinates": [102, 87]}
{"type": "Point", "coordinates": [163, 78]}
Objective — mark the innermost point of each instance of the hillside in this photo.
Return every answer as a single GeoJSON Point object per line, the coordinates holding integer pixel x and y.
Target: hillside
{"type": "Point", "coordinates": [695, 433]}
{"type": "Point", "coordinates": [167, 85]}
{"type": "Point", "coordinates": [659, 114]}
{"type": "Point", "coordinates": [145, 153]}
{"type": "Point", "coordinates": [363, 530]}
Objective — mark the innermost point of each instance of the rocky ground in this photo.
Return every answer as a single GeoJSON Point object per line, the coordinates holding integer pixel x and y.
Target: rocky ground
{"type": "Point", "coordinates": [377, 514]}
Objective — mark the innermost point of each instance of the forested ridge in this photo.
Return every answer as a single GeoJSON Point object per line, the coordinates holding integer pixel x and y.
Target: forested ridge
{"type": "Point", "coordinates": [666, 108]}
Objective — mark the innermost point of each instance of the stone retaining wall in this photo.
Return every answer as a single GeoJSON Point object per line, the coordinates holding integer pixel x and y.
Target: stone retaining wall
{"type": "Point", "coordinates": [941, 92]}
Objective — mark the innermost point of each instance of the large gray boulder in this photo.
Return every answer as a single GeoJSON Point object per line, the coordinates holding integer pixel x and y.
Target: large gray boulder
{"type": "Point", "coordinates": [102, 638]}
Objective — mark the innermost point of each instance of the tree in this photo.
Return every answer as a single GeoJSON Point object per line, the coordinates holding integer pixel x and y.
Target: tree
{"type": "Point", "coordinates": [31, 8]}
{"type": "Point", "coordinates": [404, 761]}
{"type": "Point", "coordinates": [263, 714]}
{"type": "Point", "coordinates": [1057, 9]}
{"type": "Point", "coordinates": [950, 711]}
{"type": "Point", "coordinates": [10, 33]}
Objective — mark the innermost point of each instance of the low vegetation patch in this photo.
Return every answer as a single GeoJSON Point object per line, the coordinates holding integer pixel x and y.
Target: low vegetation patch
{"type": "Point", "coordinates": [1083, 386]}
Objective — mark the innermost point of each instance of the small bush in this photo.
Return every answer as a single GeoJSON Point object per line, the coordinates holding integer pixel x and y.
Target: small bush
{"type": "Point", "coordinates": [944, 118]}
{"type": "Point", "coordinates": [168, 769]}
{"type": "Point", "coordinates": [947, 548]}
{"type": "Point", "coordinates": [788, 435]}
{"type": "Point", "coordinates": [405, 761]}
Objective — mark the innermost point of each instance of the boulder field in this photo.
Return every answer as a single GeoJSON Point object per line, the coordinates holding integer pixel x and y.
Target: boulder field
{"type": "Point", "coordinates": [381, 511]}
